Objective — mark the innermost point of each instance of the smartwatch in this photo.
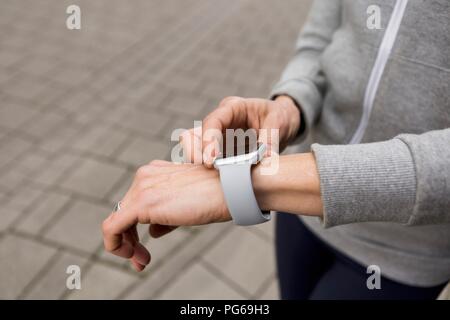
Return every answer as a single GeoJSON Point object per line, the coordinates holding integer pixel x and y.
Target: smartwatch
{"type": "Point", "coordinates": [237, 187]}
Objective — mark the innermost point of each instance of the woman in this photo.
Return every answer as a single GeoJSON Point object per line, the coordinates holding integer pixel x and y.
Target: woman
{"type": "Point", "coordinates": [376, 102]}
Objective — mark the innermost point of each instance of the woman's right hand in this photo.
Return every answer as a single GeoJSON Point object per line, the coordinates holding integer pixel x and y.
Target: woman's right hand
{"type": "Point", "coordinates": [241, 113]}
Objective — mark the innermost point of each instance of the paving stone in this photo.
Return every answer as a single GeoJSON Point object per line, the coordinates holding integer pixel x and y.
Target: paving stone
{"type": "Point", "coordinates": [20, 261]}
{"type": "Point", "coordinates": [188, 105]}
{"type": "Point", "coordinates": [26, 87]}
{"type": "Point", "coordinates": [60, 139]}
{"type": "Point", "coordinates": [31, 163]}
{"type": "Point", "coordinates": [162, 247]}
{"type": "Point", "coordinates": [11, 180]}
{"type": "Point", "coordinates": [46, 101]}
{"type": "Point", "coordinates": [445, 294]}
{"type": "Point", "coordinates": [177, 123]}
{"type": "Point", "coordinates": [158, 277]}
{"type": "Point", "coordinates": [69, 75]}
{"type": "Point", "coordinates": [92, 113]}
{"type": "Point", "coordinates": [109, 143]}
{"type": "Point", "coordinates": [37, 65]}
{"type": "Point", "coordinates": [44, 124]}
{"type": "Point", "coordinates": [265, 229]}
{"type": "Point", "coordinates": [16, 204]}
{"type": "Point", "coordinates": [43, 212]}
{"type": "Point", "coordinates": [184, 83]}
{"type": "Point", "coordinates": [155, 99]}
{"type": "Point", "coordinates": [3, 132]}
{"type": "Point", "coordinates": [88, 138]}
{"type": "Point", "coordinates": [24, 197]}
{"type": "Point", "coordinates": [2, 195]}
{"type": "Point", "coordinates": [4, 77]}
{"type": "Point", "coordinates": [97, 284]}
{"type": "Point", "coordinates": [218, 91]}
{"type": "Point", "coordinates": [110, 91]}
{"type": "Point", "coordinates": [125, 184]}
{"type": "Point", "coordinates": [140, 93]}
{"type": "Point", "coordinates": [11, 147]}
{"type": "Point", "coordinates": [13, 115]}
{"type": "Point", "coordinates": [8, 58]}
{"type": "Point", "coordinates": [249, 264]}
{"type": "Point", "coordinates": [56, 169]}
{"type": "Point", "coordinates": [93, 178]}
{"type": "Point", "coordinates": [102, 140]}
{"type": "Point", "coordinates": [140, 151]}
{"type": "Point", "coordinates": [75, 101]}
{"type": "Point", "coordinates": [52, 285]}
{"type": "Point", "coordinates": [80, 226]}
{"type": "Point", "coordinates": [253, 92]}
{"type": "Point", "coordinates": [271, 293]}
{"type": "Point", "coordinates": [147, 123]}
{"type": "Point", "coordinates": [207, 286]}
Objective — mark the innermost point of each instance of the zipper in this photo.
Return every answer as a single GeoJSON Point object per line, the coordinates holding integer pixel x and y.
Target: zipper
{"type": "Point", "coordinates": [380, 63]}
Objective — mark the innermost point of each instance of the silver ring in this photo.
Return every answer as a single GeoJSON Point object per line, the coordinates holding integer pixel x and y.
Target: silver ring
{"type": "Point", "coordinates": [117, 207]}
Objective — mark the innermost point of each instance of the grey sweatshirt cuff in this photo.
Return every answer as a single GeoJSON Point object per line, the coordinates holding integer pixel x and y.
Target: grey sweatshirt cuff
{"type": "Point", "coordinates": [307, 97]}
{"type": "Point", "coordinates": [366, 182]}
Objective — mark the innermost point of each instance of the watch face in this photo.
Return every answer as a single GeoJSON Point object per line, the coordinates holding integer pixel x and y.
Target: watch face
{"type": "Point", "coordinates": [238, 149]}
{"type": "Point", "coordinates": [242, 154]}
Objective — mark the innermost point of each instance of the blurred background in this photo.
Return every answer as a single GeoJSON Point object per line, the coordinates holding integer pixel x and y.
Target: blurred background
{"type": "Point", "coordinates": [81, 110]}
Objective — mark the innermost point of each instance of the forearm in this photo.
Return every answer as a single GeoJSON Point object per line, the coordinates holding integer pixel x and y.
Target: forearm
{"type": "Point", "coordinates": [295, 188]}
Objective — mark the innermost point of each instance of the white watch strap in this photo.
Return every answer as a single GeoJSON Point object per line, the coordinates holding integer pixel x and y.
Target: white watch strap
{"type": "Point", "coordinates": [238, 191]}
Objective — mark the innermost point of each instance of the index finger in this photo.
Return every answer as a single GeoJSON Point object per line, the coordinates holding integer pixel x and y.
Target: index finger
{"type": "Point", "coordinates": [113, 228]}
{"type": "Point", "coordinates": [212, 133]}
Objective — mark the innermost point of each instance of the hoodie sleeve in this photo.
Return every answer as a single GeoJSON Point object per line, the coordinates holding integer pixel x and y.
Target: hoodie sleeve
{"type": "Point", "coordinates": [302, 79]}
{"type": "Point", "coordinates": [404, 180]}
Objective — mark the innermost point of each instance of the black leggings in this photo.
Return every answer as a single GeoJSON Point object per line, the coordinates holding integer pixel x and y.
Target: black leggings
{"type": "Point", "coordinates": [310, 269]}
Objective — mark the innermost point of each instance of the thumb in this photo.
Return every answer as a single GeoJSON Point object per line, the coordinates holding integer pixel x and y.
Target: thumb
{"type": "Point", "coordinates": [213, 128]}
{"type": "Point", "coordinates": [212, 138]}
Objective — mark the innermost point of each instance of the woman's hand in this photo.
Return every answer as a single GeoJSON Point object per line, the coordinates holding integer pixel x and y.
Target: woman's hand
{"type": "Point", "coordinates": [164, 195]}
{"type": "Point", "coordinates": [240, 113]}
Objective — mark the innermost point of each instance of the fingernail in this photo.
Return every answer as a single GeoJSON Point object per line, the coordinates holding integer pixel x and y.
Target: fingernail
{"type": "Point", "coordinates": [142, 262]}
{"type": "Point", "coordinates": [205, 158]}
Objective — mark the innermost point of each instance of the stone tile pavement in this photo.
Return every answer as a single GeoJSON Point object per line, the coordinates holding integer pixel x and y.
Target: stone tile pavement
{"type": "Point", "coordinates": [80, 110]}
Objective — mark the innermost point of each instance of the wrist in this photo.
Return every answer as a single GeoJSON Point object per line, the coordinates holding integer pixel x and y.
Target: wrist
{"type": "Point", "coordinates": [294, 188]}
{"type": "Point", "coordinates": [292, 114]}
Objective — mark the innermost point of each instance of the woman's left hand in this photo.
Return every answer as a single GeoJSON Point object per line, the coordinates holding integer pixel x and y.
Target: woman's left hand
{"type": "Point", "coordinates": [163, 195]}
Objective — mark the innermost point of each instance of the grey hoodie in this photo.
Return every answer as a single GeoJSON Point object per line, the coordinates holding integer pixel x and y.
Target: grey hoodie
{"type": "Point", "coordinates": [376, 102]}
